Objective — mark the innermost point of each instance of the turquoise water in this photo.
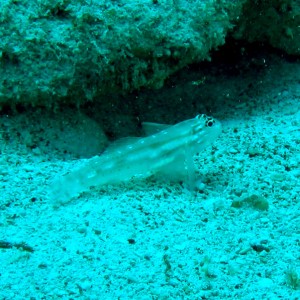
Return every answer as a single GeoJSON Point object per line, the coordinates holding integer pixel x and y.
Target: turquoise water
{"type": "Point", "coordinates": [75, 76]}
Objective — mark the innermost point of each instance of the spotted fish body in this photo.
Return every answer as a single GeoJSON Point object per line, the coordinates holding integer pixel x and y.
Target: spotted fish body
{"type": "Point", "coordinates": [166, 153]}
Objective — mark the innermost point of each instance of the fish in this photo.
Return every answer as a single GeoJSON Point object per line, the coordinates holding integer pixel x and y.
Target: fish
{"type": "Point", "coordinates": [167, 152]}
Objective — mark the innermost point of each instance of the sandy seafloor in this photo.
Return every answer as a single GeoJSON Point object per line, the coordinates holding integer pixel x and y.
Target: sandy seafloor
{"type": "Point", "coordinates": [154, 240]}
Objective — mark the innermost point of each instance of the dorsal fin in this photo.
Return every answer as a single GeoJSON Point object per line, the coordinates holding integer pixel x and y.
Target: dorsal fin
{"type": "Point", "coordinates": [153, 128]}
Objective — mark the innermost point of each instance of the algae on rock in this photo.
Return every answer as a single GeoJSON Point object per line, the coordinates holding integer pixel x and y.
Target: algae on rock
{"type": "Point", "coordinates": [76, 51]}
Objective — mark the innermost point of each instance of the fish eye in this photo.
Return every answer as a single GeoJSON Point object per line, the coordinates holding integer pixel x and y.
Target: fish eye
{"type": "Point", "coordinates": [210, 122]}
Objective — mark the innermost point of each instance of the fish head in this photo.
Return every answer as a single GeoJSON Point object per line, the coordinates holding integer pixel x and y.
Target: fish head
{"type": "Point", "coordinates": [205, 131]}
